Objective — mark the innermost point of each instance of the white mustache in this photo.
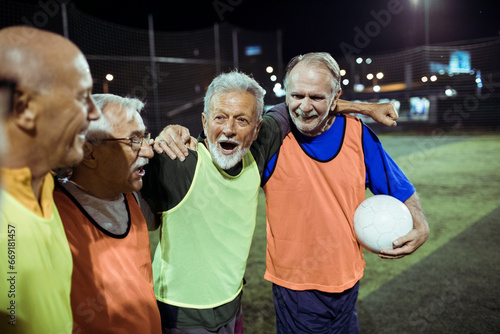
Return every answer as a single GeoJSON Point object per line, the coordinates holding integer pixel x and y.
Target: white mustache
{"type": "Point", "coordinates": [300, 113]}
{"type": "Point", "coordinates": [225, 139]}
{"type": "Point", "coordinates": [140, 163]}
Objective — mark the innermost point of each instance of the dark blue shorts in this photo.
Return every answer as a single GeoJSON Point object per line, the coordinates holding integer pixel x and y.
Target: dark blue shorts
{"type": "Point", "coordinates": [317, 312]}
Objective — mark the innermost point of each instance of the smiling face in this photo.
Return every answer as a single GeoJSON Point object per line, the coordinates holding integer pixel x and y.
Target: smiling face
{"type": "Point", "coordinates": [310, 98]}
{"type": "Point", "coordinates": [52, 106]}
{"type": "Point", "coordinates": [120, 168]}
{"type": "Point", "coordinates": [66, 111]}
{"type": "Point", "coordinates": [231, 126]}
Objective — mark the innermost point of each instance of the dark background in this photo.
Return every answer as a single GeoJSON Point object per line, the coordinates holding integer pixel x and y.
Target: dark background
{"type": "Point", "coordinates": [312, 25]}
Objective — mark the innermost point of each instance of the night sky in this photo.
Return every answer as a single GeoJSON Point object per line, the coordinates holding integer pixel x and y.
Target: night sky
{"type": "Point", "coordinates": [312, 25]}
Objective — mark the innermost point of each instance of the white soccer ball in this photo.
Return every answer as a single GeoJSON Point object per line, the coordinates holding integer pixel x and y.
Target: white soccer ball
{"type": "Point", "coordinates": [379, 220]}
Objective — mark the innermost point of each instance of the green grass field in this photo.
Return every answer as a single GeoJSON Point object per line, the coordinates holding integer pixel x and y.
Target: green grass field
{"type": "Point", "coordinates": [450, 285]}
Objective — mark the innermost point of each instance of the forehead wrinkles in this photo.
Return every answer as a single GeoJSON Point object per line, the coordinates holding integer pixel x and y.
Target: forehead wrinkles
{"type": "Point", "coordinates": [123, 118]}
{"type": "Point", "coordinates": [230, 100]}
{"type": "Point", "coordinates": [140, 124]}
{"type": "Point", "coordinates": [311, 78]}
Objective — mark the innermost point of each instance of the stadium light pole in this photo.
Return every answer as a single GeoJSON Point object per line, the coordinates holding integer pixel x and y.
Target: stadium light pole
{"type": "Point", "coordinates": [152, 60]}
{"type": "Point", "coordinates": [105, 88]}
{"type": "Point", "coordinates": [426, 19]}
{"type": "Point", "coordinates": [426, 26]}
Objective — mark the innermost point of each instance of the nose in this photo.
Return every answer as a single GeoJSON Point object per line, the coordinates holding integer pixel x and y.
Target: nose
{"type": "Point", "coordinates": [146, 150]}
{"type": "Point", "coordinates": [93, 112]}
{"type": "Point", "coordinates": [229, 128]}
{"type": "Point", "coordinates": [306, 105]}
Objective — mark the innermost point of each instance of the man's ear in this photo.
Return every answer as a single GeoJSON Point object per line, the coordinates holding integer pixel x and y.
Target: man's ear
{"type": "Point", "coordinates": [88, 155]}
{"type": "Point", "coordinates": [335, 99]}
{"type": "Point", "coordinates": [204, 122]}
{"type": "Point", "coordinates": [25, 110]}
{"type": "Point", "coordinates": [257, 129]}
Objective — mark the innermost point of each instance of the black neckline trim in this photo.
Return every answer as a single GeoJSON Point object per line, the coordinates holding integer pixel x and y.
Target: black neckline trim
{"type": "Point", "coordinates": [92, 220]}
{"type": "Point", "coordinates": [295, 133]}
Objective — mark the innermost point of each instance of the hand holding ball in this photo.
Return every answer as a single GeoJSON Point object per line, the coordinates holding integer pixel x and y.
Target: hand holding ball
{"type": "Point", "coordinates": [379, 220]}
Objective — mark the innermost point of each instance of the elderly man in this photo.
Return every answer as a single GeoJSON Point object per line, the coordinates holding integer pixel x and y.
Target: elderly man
{"type": "Point", "coordinates": [46, 129]}
{"type": "Point", "coordinates": [112, 285]}
{"type": "Point", "coordinates": [208, 207]}
{"type": "Point", "coordinates": [210, 203]}
{"type": "Point", "coordinates": [313, 186]}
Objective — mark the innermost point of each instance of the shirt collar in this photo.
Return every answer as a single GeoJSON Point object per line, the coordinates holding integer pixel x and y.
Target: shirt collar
{"type": "Point", "coordinates": [17, 182]}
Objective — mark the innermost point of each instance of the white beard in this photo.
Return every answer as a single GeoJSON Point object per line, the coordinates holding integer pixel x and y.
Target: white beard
{"type": "Point", "coordinates": [226, 161]}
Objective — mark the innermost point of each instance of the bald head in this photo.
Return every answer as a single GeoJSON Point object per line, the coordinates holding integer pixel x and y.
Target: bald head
{"type": "Point", "coordinates": [52, 107]}
{"type": "Point", "coordinates": [28, 55]}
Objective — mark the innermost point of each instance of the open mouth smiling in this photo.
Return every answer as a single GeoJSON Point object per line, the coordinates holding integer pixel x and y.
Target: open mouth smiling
{"type": "Point", "coordinates": [140, 170]}
{"type": "Point", "coordinates": [228, 147]}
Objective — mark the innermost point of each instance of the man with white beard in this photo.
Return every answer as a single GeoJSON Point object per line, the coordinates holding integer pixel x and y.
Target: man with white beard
{"type": "Point", "coordinates": [208, 208]}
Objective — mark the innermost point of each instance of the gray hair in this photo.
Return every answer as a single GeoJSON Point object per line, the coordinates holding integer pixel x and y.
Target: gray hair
{"type": "Point", "coordinates": [234, 81]}
{"type": "Point", "coordinates": [316, 59]}
{"type": "Point", "coordinates": [102, 128]}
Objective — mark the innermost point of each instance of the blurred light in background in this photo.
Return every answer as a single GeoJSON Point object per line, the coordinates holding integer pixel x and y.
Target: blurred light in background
{"type": "Point", "coordinates": [359, 87]}
{"type": "Point", "coordinates": [278, 90]}
{"type": "Point", "coordinates": [450, 92]}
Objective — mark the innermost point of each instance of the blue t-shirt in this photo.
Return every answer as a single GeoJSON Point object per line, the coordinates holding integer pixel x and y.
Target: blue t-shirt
{"type": "Point", "coordinates": [383, 176]}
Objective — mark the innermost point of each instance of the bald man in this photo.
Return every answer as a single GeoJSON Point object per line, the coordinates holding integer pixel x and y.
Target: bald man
{"type": "Point", "coordinates": [46, 127]}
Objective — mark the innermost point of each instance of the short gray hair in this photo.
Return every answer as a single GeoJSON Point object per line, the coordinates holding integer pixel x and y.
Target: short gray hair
{"type": "Point", "coordinates": [316, 59]}
{"type": "Point", "coordinates": [102, 128]}
{"type": "Point", "coordinates": [234, 81]}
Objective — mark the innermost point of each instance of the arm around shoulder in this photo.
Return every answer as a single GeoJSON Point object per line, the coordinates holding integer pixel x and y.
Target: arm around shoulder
{"type": "Point", "coordinates": [153, 220]}
{"type": "Point", "coordinates": [384, 113]}
{"type": "Point", "coordinates": [174, 140]}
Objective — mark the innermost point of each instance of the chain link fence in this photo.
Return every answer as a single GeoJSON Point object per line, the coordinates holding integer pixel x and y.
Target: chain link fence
{"type": "Point", "coordinates": [450, 86]}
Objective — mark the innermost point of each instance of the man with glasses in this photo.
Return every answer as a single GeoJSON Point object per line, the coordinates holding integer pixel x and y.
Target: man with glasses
{"type": "Point", "coordinates": [112, 287]}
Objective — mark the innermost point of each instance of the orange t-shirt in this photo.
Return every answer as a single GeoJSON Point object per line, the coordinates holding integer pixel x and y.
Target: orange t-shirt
{"type": "Point", "coordinates": [112, 284]}
{"type": "Point", "coordinates": [310, 207]}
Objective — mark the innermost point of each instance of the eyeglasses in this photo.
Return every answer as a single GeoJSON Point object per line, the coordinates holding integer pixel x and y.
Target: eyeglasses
{"type": "Point", "coordinates": [135, 141]}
